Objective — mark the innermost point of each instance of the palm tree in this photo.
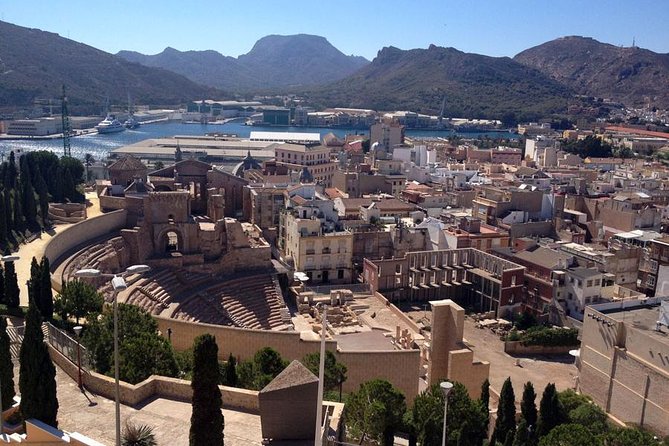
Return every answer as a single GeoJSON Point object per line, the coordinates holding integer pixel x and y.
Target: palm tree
{"type": "Point", "coordinates": [138, 435]}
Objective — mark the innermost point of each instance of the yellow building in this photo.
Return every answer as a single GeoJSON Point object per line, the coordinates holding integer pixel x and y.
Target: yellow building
{"type": "Point", "coordinates": [324, 256]}
{"type": "Point", "coordinates": [316, 159]}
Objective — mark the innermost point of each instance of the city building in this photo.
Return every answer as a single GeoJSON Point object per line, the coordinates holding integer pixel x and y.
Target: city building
{"type": "Point", "coordinates": [315, 159]}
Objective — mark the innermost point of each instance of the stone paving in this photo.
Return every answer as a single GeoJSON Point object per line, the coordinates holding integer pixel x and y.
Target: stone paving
{"type": "Point", "coordinates": [93, 416]}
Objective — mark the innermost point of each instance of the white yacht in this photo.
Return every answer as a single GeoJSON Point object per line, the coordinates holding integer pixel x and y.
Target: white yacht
{"type": "Point", "coordinates": [131, 123]}
{"type": "Point", "coordinates": [109, 125]}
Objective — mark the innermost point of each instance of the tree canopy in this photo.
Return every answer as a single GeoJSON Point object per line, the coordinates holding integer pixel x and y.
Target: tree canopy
{"type": "Point", "coordinates": [375, 411]}
{"type": "Point", "coordinates": [207, 417]}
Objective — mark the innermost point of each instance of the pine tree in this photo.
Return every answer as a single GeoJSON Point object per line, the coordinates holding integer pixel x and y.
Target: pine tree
{"type": "Point", "coordinates": [506, 411]}
{"type": "Point", "coordinates": [37, 374]}
{"type": "Point", "coordinates": [551, 413]}
{"type": "Point", "coordinates": [12, 298]}
{"type": "Point", "coordinates": [6, 367]}
{"type": "Point", "coordinates": [46, 293]}
{"type": "Point", "coordinates": [527, 405]}
{"type": "Point", "coordinates": [206, 423]}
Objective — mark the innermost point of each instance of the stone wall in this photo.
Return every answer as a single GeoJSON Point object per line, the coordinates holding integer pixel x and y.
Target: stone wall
{"type": "Point", "coordinates": [400, 367]}
{"type": "Point", "coordinates": [79, 235]}
{"type": "Point", "coordinates": [153, 386]}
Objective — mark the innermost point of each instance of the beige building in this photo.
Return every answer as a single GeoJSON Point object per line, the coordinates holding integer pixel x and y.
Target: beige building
{"type": "Point", "coordinates": [315, 158]}
{"type": "Point", "coordinates": [388, 135]}
{"type": "Point", "coordinates": [624, 362]}
{"type": "Point", "coordinates": [263, 204]}
{"type": "Point", "coordinates": [325, 257]}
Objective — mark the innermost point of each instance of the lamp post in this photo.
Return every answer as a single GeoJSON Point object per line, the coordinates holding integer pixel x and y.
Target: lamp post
{"type": "Point", "coordinates": [5, 259]}
{"type": "Point", "coordinates": [118, 285]}
{"type": "Point", "coordinates": [446, 388]}
{"type": "Point", "coordinates": [77, 331]}
{"type": "Point", "coordinates": [318, 439]}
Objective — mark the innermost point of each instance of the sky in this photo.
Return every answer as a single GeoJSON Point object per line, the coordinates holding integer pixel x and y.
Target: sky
{"type": "Point", "coordinates": [359, 27]}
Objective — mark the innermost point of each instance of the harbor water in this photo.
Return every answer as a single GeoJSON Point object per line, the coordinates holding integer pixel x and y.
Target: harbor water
{"type": "Point", "coordinates": [100, 145]}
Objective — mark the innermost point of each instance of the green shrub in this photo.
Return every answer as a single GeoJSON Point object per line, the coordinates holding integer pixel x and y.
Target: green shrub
{"type": "Point", "coordinates": [550, 336]}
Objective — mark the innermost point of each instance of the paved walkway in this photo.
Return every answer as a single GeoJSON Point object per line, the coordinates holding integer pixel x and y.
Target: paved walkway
{"type": "Point", "coordinates": [36, 248]}
{"type": "Point", "coordinates": [93, 416]}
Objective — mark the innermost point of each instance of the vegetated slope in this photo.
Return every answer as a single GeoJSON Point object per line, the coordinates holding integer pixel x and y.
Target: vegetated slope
{"type": "Point", "coordinates": [274, 61]}
{"type": "Point", "coordinates": [36, 63]}
{"type": "Point", "coordinates": [631, 75]}
{"type": "Point", "coordinates": [473, 85]}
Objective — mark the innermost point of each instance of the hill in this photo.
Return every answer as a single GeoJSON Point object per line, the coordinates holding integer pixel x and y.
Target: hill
{"type": "Point", "coordinates": [474, 85]}
{"type": "Point", "coordinates": [36, 63]}
{"type": "Point", "coordinates": [631, 75]}
{"type": "Point", "coordinates": [274, 61]}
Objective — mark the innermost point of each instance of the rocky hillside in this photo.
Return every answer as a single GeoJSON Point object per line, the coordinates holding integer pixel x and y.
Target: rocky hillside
{"type": "Point", "coordinates": [631, 75]}
{"type": "Point", "coordinates": [473, 85]}
{"type": "Point", "coordinates": [35, 64]}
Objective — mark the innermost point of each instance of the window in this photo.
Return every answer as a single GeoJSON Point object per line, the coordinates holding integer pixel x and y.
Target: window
{"type": "Point", "coordinates": [340, 274]}
{"type": "Point", "coordinates": [398, 269]}
{"type": "Point", "coordinates": [597, 282]}
{"type": "Point", "coordinates": [589, 283]}
{"type": "Point", "coordinates": [651, 281]}
{"type": "Point", "coordinates": [570, 296]}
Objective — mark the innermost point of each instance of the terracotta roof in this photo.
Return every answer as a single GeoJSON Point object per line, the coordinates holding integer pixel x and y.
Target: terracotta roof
{"type": "Point", "coordinates": [333, 192]}
{"type": "Point", "coordinates": [128, 163]}
{"type": "Point", "coordinates": [634, 131]}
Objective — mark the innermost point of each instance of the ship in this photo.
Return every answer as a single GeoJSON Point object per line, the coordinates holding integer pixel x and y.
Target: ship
{"type": "Point", "coordinates": [109, 125]}
{"type": "Point", "coordinates": [131, 123]}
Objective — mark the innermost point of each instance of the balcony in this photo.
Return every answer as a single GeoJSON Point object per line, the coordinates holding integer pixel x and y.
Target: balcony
{"type": "Point", "coordinates": [310, 252]}
{"type": "Point", "coordinates": [326, 251]}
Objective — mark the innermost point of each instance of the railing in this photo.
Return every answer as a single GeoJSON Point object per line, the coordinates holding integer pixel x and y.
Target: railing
{"type": "Point", "coordinates": [66, 345]}
{"type": "Point", "coordinates": [354, 287]}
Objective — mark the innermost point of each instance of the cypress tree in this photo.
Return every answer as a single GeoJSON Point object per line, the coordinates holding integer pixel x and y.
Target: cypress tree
{"type": "Point", "coordinates": [12, 173]}
{"type": "Point", "coordinates": [43, 193]}
{"type": "Point", "coordinates": [550, 411]}
{"type": "Point", "coordinates": [37, 378]}
{"type": "Point", "coordinates": [509, 438]}
{"type": "Point", "coordinates": [12, 298]}
{"type": "Point", "coordinates": [6, 367]}
{"type": "Point", "coordinates": [206, 423]}
{"type": "Point", "coordinates": [34, 284]}
{"type": "Point", "coordinates": [18, 211]}
{"type": "Point", "coordinates": [46, 293]}
{"type": "Point", "coordinates": [69, 188]}
{"type": "Point", "coordinates": [8, 212]}
{"type": "Point", "coordinates": [4, 231]}
{"type": "Point", "coordinates": [528, 407]}
{"type": "Point", "coordinates": [29, 204]}
{"type": "Point", "coordinates": [485, 400]}
{"type": "Point", "coordinates": [58, 184]}
{"type": "Point", "coordinates": [231, 371]}
{"type": "Point", "coordinates": [506, 412]}
{"type": "Point", "coordinates": [2, 285]}
{"type": "Point", "coordinates": [522, 437]}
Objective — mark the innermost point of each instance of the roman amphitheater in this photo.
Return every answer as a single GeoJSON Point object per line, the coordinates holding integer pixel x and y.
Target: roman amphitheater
{"type": "Point", "coordinates": [212, 273]}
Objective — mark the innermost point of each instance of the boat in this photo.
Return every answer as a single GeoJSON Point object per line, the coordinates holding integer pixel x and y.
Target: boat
{"type": "Point", "coordinates": [131, 123]}
{"type": "Point", "coordinates": [109, 125]}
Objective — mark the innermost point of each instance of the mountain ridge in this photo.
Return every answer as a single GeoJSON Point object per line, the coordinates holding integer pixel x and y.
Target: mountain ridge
{"type": "Point", "coordinates": [37, 63]}
{"type": "Point", "coordinates": [631, 75]}
{"type": "Point", "coordinates": [273, 61]}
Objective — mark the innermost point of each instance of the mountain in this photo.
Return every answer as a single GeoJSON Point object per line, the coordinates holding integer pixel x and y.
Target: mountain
{"type": "Point", "coordinates": [274, 61]}
{"type": "Point", "coordinates": [36, 63]}
{"type": "Point", "coordinates": [473, 85]}
{"type": "Point", "coordinates": [631, 75]}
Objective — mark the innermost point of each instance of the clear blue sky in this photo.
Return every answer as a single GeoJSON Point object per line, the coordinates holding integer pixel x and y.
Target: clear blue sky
{"type": "Point", "coordinates": [360, 27]}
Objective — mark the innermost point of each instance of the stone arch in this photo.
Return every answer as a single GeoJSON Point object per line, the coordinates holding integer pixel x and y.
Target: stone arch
{"type": "Point", "coordinates": [170, 240]}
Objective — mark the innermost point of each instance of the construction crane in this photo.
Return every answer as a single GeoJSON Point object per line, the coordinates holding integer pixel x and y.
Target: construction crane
{"type": "Point", "coordinates": [65, 118]}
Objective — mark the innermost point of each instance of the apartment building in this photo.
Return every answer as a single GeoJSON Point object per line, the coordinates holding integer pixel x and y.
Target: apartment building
{"type": "Point", "coordinates": [313, 158]}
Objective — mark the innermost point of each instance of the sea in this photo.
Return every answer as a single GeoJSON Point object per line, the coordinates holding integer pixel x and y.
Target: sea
{"type": "Point", "coordinates": [100, 145]}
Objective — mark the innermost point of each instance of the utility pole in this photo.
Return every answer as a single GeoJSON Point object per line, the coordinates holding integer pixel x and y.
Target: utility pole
{"type": "Point", "coordinates": [65, 119]}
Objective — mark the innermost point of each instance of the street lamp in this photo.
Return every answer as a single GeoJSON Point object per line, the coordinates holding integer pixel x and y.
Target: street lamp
{"type": "Point", "coordinates": [118, 285]}
{"type": "Point", "coordinates": [446, 388]}
{"type": "Point", "coordinates": [77, 331]}
{"type": "Point", "coordinates": [318, 439]}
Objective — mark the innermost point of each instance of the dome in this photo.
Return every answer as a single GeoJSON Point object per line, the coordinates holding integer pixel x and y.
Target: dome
{"type": "Point", "coordinates": [306, 176]}
{"type": "Point", "coordinates": [248, 163]}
